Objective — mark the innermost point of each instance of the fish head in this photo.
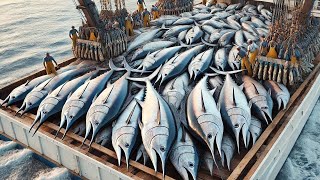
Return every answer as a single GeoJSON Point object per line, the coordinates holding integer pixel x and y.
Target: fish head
{"type": "Point", "coordinates": [165, 73]}
{"type": "Point", "coordinates": [15, 95]}
{"type": "Point", "coordinates": [124, 143]}
{"type": "Point", "coordinates": [282, 100]}
{"type": "Point", "coordinates": [32, 100]}
{"type": "Point", "coordinates": [95, 120]}
{"type": "Point", "coordinates": [195, 70]}
{"type": "Point", "coordinates": [240, 126]}
{"type": "Point", "coordinates": [139, 52]}
{"type": "Point", "coordinates": [263, 111]}
{"type": "Point", "coordinates": [188, 163]}
{"type": "Point", "coordinates": [72, 114]}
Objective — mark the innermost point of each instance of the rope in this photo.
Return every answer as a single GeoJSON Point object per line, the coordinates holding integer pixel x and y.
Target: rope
{"type": "Point", "coordinates": [83, 17]}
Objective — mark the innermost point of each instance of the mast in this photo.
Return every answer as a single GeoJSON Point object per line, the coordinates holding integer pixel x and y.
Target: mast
{"type": "Point", "coordinates": [89, 9]}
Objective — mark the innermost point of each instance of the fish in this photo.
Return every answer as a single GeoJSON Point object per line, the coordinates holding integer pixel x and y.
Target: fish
{"type": "Point", "coordinates": [234, 108]}
{"type": "Point", "coordinates": [201, 16]}
{"type": "Point", "coordinates": [175, 90]}
{"type": "Point", "coordinates": [222, 15]}
{"type": "Point", "coordinates": [158, 127]}
{"type": "Point", "coordinates": [107, 105]}
{"type": "Point", "coordinates": [220, 59]}
{"type": "Point", "coordinates": [183, 21]}
{"type": "Point", "coordinates": [37, 94]}
{"type": "Point", "coordinates": [249, 28]}
{"type": "Point", "coordinates": [258, 22]}
{"type": "Point", "coordinates": [166, 20]}
{"type": "Point", "coordinates": [215, 36]}
{"type": "Point", "coordinates": [233, 62]}
{"type": "Point", "coordinates": [142, 38]}
{"type": "Point", "coordinates": [79, 128]}
{"type": "Point", "coordinates": [142, 153]}
{"type": "Point", "coordinates": [184, 155]}
{"type": "Point", "coordinates": [248, 36]}
{"type": "Point", "coordinates": [226, 38]}
{"type": "Point", "coordinates": [203, 117]}
{"type": "Point", "coordinates": [233, 7]}
{"type": "Point", "coordinates": [255, 130]}
{"type": "Point", "coordinates": [207, 161]}
{"type": "Point", "coordinates": [55, 100]}
{"type": "Point", "coordinates": [193, 35]}
{"type": "Point", "coordinates": [244, 19]}
{"type": "Point", "coordinates": [177, 64]}
{"type": "Point", "coordinates": [175, 30]}
{"type": "Point", "coordinates": [150, 48]}
{"type": "Point", "coordinates": [215, 10]}
{"type": "Point", "coordinates": [228, 149]}
{"type": "Point", "coordinates": [259, 97]}
{"type": "Point", "coordinates": [279, 93]}
{"type": "Point", "coordinates": [79, 102]}
{"type": "Point", "coordinates": [182, 35]}
{"type": "Point", "coordinates": [200, 63]}
{"type": "Point", "coordinates": [155, 59]}
{"type": "Point", "coordinates": [209, 29]}
{"type": "Point", "coordinates": [216, 24]}
{"type": "Point", "coordinates": [260, 6]}
{"type": "Point", "coordinates": [234, 24]}
{"type": "Point", "coordinates": [125, 128]}
{"type": "Point", "coordinates": [216, 83]}
{"type": "Point", "coordinates": [238, 38]}
{"type": "Point", "coordinates": [103, 137]}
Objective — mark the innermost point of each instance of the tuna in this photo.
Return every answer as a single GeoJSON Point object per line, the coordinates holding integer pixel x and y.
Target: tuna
{"type": "Point", "coordinates": [200, 63]}
{"type": "Point", "coordinates": [193, 35]}
{"type": "Point", "coordinates": [279, 93]}
{"type": "Point", "coordinates": [220, 59]}
{"type": "Point", "coordinates": [255, 130]}
{"type": "Point", "coordinates": [175, 30]}
{"type": "Point", "coordinates": [150, 48]}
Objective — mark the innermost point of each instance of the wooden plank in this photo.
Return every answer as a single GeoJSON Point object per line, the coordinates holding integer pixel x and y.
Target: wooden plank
{"type": "Point", "coordinates": [279, 135]}
{"type": "Point", "coordinates": [239, 170]}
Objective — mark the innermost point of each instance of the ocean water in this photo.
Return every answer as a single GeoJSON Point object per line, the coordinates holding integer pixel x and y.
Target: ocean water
{"type": "Point", "coordinates": [30, 28]}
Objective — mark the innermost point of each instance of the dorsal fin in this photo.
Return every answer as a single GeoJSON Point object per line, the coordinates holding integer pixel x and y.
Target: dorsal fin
{"type": "Point", "coordinates": [131, 113]}
{"type": "Point", "coordinates": [61, 88]}
{"type": "Point", "coordinates": [183, 137]}
{"type": "Point", "coordinates": [47, 83]}
{"type": "Point", "coordinates": [159, 113]}
{"type": "Point", "coordinates": [105, 101]}
{"type": "Point", "coordinates": [202, 102]}
{"type": "Point", "coordinates": [171, 87]}
{"type": "Point", "coordinates": [255, 88]}
{"type": "Point", "coordinates": [27, 82]}
{"type": "Point", "coordinates": [234, 97]}
{"type": "Point", "coordinates": [84, 90]}
{"type": "Point", "coordinates": [175, 59]}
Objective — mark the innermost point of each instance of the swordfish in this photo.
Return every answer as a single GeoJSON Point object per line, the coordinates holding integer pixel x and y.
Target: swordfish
{"type": "Point", "coordinates": [34, 98]}
{"type": "Point", "coordinates": [54, 102]}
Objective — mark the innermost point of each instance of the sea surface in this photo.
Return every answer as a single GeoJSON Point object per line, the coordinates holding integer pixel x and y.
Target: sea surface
{"type": "Point", "coordinates": [30, 28]}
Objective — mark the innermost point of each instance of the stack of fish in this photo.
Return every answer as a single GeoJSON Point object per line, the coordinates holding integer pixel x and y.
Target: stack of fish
{"type": "Point", "coordinates": [197, 107]}
{"type": "Point", "coordinates": [110, 43]}
{"type": "Point", "coordinates": [175, 7]}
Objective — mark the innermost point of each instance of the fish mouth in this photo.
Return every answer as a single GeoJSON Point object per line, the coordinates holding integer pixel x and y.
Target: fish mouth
{"type": "Point", "coordinates": [154, 159]}
{"type": "Point", "coordinates": [237, 130]}
{"type": "Point", "coordinates": [127, 152]}
{"type": "Point", "coordinates": [281, 103]}
{"type": "Point", "coordinates": [5, 101]}
{"type": "Point", "coordinates": [187, 172]}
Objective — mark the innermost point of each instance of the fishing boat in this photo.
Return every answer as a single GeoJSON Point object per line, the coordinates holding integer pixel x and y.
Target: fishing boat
{"type": "Point", "coordinates": [262, 161]}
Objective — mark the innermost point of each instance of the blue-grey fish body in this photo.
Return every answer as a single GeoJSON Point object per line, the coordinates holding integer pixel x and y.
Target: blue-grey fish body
{"type": "Point", "coordinates": [177, 64]}
{"type": "Point", "coordinates": [279, 93]}
{"type": "Point", "coordinates": [142, 38]}
{"type": "Point", "coordinates": [193, 35]}
{"type": "Point", "coordinates": [142, 153]}
{"type": "Point", "coordinates": [258, 22]}
{"type": "Point", "coordinates": [175, 30]}
{"type": "Point", "coordinates": [184, 155]}
{"type": "Point", "coordinates": [220, 59]}
{"type": "Point", "coordinates": [150, 48]}
{"type": "Point", "coordinates": [182, 35]}
{"type": "Point", "coordinates": [228, 150]}
{"type": "Point", "coordinates": [175, 90]}
{"type": "Point", "coordinates": [226, 38]}
{"type": "Point", "coordinates": [158, 127]}
{"type": "Point", "coordinates": [155, 59]}
{"type": "Point", "coordinates": [201, 16]}
{"type": "Point", "coordinates": [183, 21]}
{"type": "Point", "coordinates": [238, 38]}
{"type": "Point", "coordinates": [54, 102]}
{"type": "Point", "coordinates": [103, 137]}
{"type": "Point", "coordinates": [234, 24]}
{"type": "Point", "coordinates": [203, 117]}
{"type": "Point", "coordinates": [125, 128]}
{"type": "Point", "coordinates": [79, 102]}
{"type": "Point", "coordinates": [235, 110]}
{"type": "Point", "coordinates": [262, 103]}
{"type": "Point", "coordinates": [200, 63]}
{"type": "Point", "coordinates": [216, 83]}
{"type": "Point", "coordinates": [233, 62]}
{"type": "Point", "coordinates": [37, 94]}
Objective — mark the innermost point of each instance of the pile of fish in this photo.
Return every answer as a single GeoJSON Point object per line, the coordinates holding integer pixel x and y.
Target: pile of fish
{"type": "Point", "coordinates": [175, 7]}
{"type": "Point", "coordinates": [187, 105]}
{"type": "Point", "coordinates": [110, 43]}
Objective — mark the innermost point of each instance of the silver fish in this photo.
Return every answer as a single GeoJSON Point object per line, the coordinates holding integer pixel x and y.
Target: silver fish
{"type": "Point", "coordinates": [207, 161]}
{"type": "Point", "coordinates": [220, 59]}
{"type": "Point", "coordinates": [104, 136]}
{"type": "Point", "coordinates": [248, 36]}
{"type": "Point", "coordinates": [142, 153]}
{"type": "Point", "coordinates": [182, 35]}
{"type": "Point", "coordinates": [233, 7]}
{"type": "Point", "coordinates": [233, 62]}
{"type": "Point", "coordinates": [177, 64]}
{"type": "Point", "coordinates": [228, 150]}
{"type": "Point", "coordinates": [201, 16]}
{"type": "Point", "coordinates": [125, 129]}
{"type": "Point", "coordinates": [193, 35]}
{"type": "Point", "coordinates": [209, 29]}
{"type": "Point", "coordinates": [150, 48]}
{"type": "Point", "coordinates": [203, 117]}
{"type": "Point", "coordinates": [155, 59]}
{"type": "Point", "coordinates": [200, 63]}
{"type": "Point", "coordinates": [55, 100]}
{"type": "Point", "coordinates": [184, 155]}
{"type": "Point", "coordinates": [183, 21]}
{"type": "Point", "coordinates": [175, 90]}
{"type": "Point", "coordinates": [226, 38]}
{"type": "Point", "coordinates": [234, 108]}
{"type": "Point", "coordinates": [175, 30]}
{"type": "Point", "coordinates": [234, 24]}
{"type": "Point", "coordinates": [260, 99]}
{"type": "Point", "coordinates": [255, 130]}
{"type": "Point", "coordinates": [279, 93]}
{"type": "Point", "coordinates": [258, 22]}
{"type": "Point", "coordinates": [216, 83]}
{"type": "Point", "coordinates": [37, 94]}
{"type": "Point", "coordinates": [238, 38]}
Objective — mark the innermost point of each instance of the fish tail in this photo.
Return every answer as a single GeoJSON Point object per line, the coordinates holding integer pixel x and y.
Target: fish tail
{"type": "Point", "coordinates": [225, 73]}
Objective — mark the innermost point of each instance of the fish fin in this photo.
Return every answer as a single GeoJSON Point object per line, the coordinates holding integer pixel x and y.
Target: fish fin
{"type": "Point", "coordinates": [114, 67]}
{"type": "Point", "coordinates": [84, 89]}
{"type": "Point", "coordinates": [94, 98]}
{"type": "Point", "coordinates": [225, 72]}
{"type": "Point", "coordinates": [27, 83]}
{"type": "Point", "coordinates": [130, 115]}
{"type": "Point", "coordinates": [46, 83]}
{"type": "Point", "coordinates": [114, 123]}
{"type": "Point", "coordinates": [69, 95]}
{"type": "Point", "coordinates": [141, 103]}
{"type": "Point", "coordinates": [159, 114]}
{"type": "Point", "coordinates": [60, 89]}
{"type": "Point", "coordinates": [241, 86]}
{"type": "Point", "coordinates": [105, 101]}
{"type": "Point", "coordinates": [140, 123]}
{"type": "Point", "coordinates": [130, 69]}
{"type": "Point", "coordinates": [234, 97]}
{"type": "Point", "coordinates": [150, 77]}
{"type": "Point", "coordinates": [202, 102]}
{"type": "Point", "coordinates": [250, 104]}
{"type": "Point", "coordinates": [212, 91]}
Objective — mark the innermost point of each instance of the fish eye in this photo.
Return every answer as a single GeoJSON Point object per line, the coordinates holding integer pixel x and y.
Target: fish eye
{"type": "Point", "coordinates": [44, 112]}
{"type": "Point", "coordinates": [209, 136]}
{"type": "Point", "coordinates": [71, 117]}
{"type": "Point", "coordinates": [96, 122]}
{"type": "Point", "coordinates": [13, 97]}
{"type": "Point", "coordinates": [191, 164]}
{"type": "Point", "coordinates": [165, 74]}
{"type": "Point", "coordinates": [197, 69]}
{"type": "Point", "coordinates": [162, 148]}
{"type": "Point", "coordinates": [29, 103]}
{"type": "Point", "coordinates": [127, 145]}
{"type": "Point", "coordinates": [236, 125]}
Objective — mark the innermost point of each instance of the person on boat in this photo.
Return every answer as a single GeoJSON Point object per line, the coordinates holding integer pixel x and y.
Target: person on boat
{"type": "Point", "coordinates": [129, 25]}
{"type": "Point", "coordinates": [155, 12]}
{"type": "Point", "coordinates": [253, 51]}
{"type": "Point", "coordinates": [263, 45]}
{"type": "Point", "coordinates": [48, 64]}
{"type": "Point", "coordinates": [295, 54]}
{"type": "Point", "coordinates": [92, 35]}
{"type": "Point", "coordinates": [245, 64]}
{"type": "Point", "coordinates": [74, 35]}
{"type": "Point", "coordinates": [272, 48]}
{"type": "Point", "coordinates": [140, 5]}
{"type": "Point", "coordinates": [146, 18]}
